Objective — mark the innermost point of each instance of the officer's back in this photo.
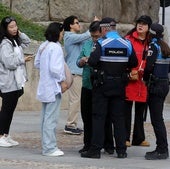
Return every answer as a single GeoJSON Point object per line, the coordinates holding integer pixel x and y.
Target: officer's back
{"type": "Point", "coordinates": [113, 56]}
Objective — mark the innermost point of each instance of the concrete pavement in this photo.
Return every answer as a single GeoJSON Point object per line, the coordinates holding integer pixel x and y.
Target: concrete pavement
{"type": "Point", "coordinates": [26, 129]}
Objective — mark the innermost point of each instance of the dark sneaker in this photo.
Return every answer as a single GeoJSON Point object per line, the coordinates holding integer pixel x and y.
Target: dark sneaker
{"type": "Point", "coordinates": [74, 131]}
{"type": "Point", "coordinates": [155, 155]}
{"type": "Point", "coordinates": [90, 154]}
{"type": "Point", "coordinates": [109, 150]}
{"type": "Point", "coordinates": [121, 155]}
{"type": "Point", "coordinates": [83, 149]}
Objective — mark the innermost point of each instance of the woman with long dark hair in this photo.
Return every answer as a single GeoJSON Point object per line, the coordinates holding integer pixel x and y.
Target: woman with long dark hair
{"type": "Point", "coordinates": [13, 74]}
{"type": "Point", "coordinates": [156, 78]}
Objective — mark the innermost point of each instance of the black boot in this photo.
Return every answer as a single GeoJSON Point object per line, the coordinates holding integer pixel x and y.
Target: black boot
{"type": "Point", "coordinates": [155, 155]}
{"type": "Point", "coordinates": [85, 148]}
{"type": "Point", "coordinates": [122, 155]}
{"type": "Point", "coordinates": [91, 154]}
{"type": "Point", "coordinates": [109, 150]}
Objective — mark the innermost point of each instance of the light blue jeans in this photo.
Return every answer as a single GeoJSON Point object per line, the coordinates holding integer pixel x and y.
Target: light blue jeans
{"type": "Point", "coordinates": [50, 114]}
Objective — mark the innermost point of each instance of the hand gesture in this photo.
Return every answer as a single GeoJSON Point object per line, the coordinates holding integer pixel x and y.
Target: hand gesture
{"type": "Point", "coordinates": [28, 58]}
{"type": "Point", "coordinates": [96, 18]}
{"type": "Point", "coordinates": [83, 61]}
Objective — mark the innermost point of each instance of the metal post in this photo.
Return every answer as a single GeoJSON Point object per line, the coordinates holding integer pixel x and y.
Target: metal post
{"type": "Point", "coordinates": [10, 5]}
{"type": "Point", "coordinates": [163, 13]}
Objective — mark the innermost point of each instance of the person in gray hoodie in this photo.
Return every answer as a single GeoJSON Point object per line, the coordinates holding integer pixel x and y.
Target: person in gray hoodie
{"type": "Point", "coordinates": [73, 41]}
{"type": "Point", "coordinates": [13, 74]}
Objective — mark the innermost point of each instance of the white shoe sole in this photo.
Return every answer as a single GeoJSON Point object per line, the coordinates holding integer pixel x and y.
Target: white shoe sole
{"type": "Point", "coordinates": [54, 154]}
{"type": "Point", "coordinates": [4, 145]}
{"type": "Point", "coordinates": [72, 133]}
{"type": "Point", "coordinates": [14, 144]}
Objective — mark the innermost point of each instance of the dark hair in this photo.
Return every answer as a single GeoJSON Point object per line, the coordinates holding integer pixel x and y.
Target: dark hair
{"type": "Point", "coordinates": [4, 32]}
{"type": "Point", "coordinates": [94, 26]}
{"type": "Point", "coordinates": [165, 49]}
{"type": "Point", "coordinates": [52, 32]}
{"type": "Point", "coordinates": [146, 19]}
{"type": "Point", "coordinates": [131, 31]}
{"type": "Point", "coordinates": [157, 30]}
{"type": "Point", "coordinates": [69, 20]}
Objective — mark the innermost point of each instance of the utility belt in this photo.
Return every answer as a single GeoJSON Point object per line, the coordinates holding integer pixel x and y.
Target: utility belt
{"type": "Point", "coordinates": [113, 77]}
{"type": "Point", "coordinates": [99, 77]}
{"type": "Point", "coordinates": [158, 86]}
{"type": "Point", "coordinates": [154, 79]}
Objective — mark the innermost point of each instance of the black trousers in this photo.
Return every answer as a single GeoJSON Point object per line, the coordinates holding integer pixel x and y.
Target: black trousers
{"type": "Point", "coordinates": [138, 130]}
{"type": "Point", "coordinates": [101, 103]}
{"type": "Point", "coordinates": [86, 114]}
{"type": "Point", "coordinates": [157, 97]}
{"type": "Point", "coordinates": [9, 103]}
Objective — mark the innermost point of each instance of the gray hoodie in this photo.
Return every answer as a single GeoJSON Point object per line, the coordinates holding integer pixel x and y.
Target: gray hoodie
{"type": "Point", "coordinates": [9, 63]}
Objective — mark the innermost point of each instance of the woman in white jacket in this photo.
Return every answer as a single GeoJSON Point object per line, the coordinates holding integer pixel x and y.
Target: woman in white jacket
{"type": "Point", "coordinates": [50, 62]}
{"type": "Point", "coordinates": [13, 74]}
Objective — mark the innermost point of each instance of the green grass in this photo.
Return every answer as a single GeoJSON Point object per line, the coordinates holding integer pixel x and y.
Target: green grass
{"type": "Point", "coordinates": [34, 31]}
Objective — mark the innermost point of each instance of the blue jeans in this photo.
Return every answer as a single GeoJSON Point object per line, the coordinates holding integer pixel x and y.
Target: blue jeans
{"type": "Point", "coordinates": [50, 114]}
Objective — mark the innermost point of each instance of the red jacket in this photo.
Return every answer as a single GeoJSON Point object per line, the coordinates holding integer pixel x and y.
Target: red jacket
{"type": "Point", "coordinates": [136, 90]}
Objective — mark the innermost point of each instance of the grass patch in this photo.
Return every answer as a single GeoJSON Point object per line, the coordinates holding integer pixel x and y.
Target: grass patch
{"type": "Point", "coordinates": [33, 30]}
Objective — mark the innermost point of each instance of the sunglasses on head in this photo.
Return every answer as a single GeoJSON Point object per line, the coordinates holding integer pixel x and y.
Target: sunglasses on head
{"type": "Point", "coordinates": [9, 19]}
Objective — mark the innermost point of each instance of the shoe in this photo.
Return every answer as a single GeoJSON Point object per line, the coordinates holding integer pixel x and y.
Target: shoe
{"type": "Point", "coordinates": [4, 142]}
{"type": "Point", "coordinates": [74, 131]}
{"type": "Point", "coordinates": [109, 150]}
{"type": "Point", "coordinates": [84, 149]}
{"type": "Point", "coordinates": [11, 141]}
{"type": "Point", "coordinates": [55, 153]}
{"type": "Point", "coordinates": [155, 155]}
{"type": "Point", "coordinates": [128, 144]}
{"type": "Point", "coordinates": [90, 154]}
{"type": "Point", "coordinates": [121, 155]}
{"type": "Point", "coordinates": [144, 143]}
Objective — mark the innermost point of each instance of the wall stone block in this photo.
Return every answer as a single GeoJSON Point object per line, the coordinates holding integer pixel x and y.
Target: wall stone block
{"type": "Point", "coordinates": [85, 10]}
{"type": "Point", "coordinates": [35, 10]}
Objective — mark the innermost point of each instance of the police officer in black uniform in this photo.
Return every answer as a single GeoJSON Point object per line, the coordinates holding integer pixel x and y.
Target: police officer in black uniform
{"type": "Point", "coordinates": [111, 59]}
{"type": "Point", "coordinates": [156, 77]}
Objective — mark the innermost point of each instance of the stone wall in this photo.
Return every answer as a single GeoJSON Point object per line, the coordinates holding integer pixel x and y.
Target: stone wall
{"type": "Point", "coordinates": [124, 11]}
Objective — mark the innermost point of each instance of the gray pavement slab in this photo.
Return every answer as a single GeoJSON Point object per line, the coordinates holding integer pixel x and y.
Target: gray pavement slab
{"type": "Point", "coordinates": [25, 128]}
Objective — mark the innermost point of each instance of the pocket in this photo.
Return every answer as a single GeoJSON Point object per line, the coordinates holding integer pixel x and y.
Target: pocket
{"type": "Point", "coordinates": [160, 88]}
{"type": "Point", "coordinates": [5, 78]}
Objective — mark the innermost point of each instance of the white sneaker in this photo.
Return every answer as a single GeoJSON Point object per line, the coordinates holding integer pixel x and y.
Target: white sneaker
{"type": "Point", "coordinates": [56, 153]}
{"type": "Point", "coordinates": [11, 141]}
{"type": "Point", "coordinates": [4, 142]}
